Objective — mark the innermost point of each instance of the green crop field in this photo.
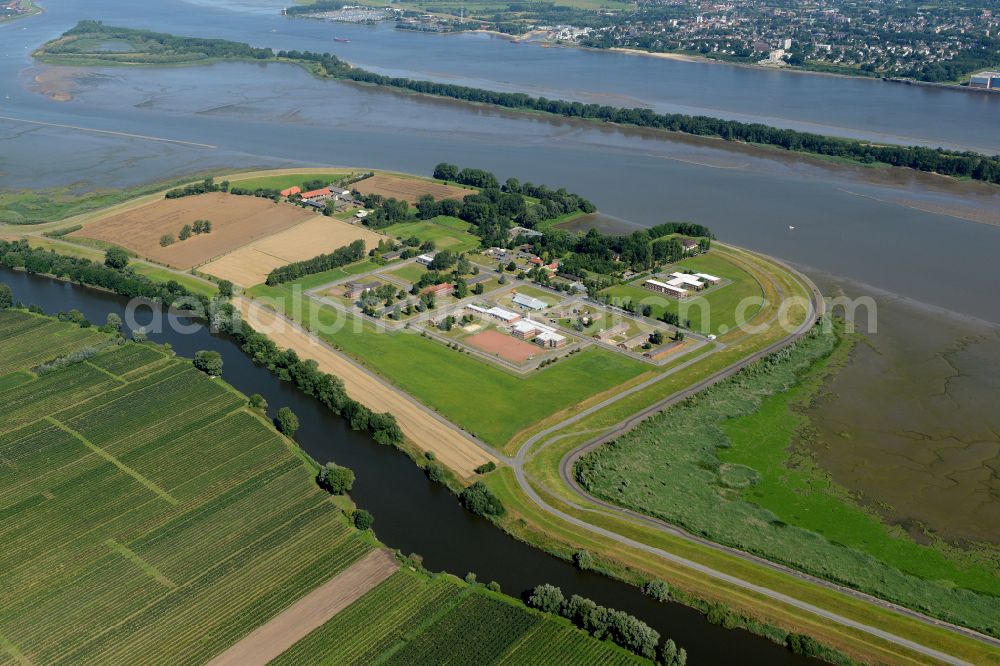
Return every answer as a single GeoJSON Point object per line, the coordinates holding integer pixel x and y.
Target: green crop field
{"type": "Point", "coordinates": [282, 182]}
{"type": "Point", "coordinates": [476, 395]}
{"type": "Point", "coordinates": [448, 233]}
{"type": "Point", "coordinates": [410, 272]}
{"type": "Point", "coordinates": [122, 480]}
{"type": "Point", "coordinates": [723, 465]}
{"type": "Point", "coordinates": [713, 312]}
{"type": "Point", "coordinates": [411, 619]}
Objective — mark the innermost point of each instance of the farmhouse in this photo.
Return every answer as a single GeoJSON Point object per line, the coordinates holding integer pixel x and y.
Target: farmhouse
{"type": "Point", "coordinates": [529, 302]}
{"type": "Point", "coordinates": [425, 259]}
{"type": "Point", "coordinates": [291, 191]}
{"type": "Point", "coordinates": [439, 289]}
{"type": "Point", "coordinates": [506, 316]}
{"type": "Point", "coordinates": [671, 290]}
{"type": "Point", "coordinates": [690, 246]}
{"type": "Point", "coordinates": [321, 193]}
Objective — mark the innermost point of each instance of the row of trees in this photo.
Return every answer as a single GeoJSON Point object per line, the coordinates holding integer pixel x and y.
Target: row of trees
{"type": "Point", "coordinates": [948, 162]}
{"type": "Point", "coordinates": [324, 262]}
{"type": "Point", "coordinates": [308, 378]}
{"type": "Point", "coordinates": [624, 629]}
{"type": "Point", "coordinates": [18, 254]}
{"type": "Point", "coordinates": [204, 187]}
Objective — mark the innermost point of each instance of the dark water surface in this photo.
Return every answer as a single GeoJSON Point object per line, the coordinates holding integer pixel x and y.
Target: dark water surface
{"type": "Point", "coordinates": [411, 513]}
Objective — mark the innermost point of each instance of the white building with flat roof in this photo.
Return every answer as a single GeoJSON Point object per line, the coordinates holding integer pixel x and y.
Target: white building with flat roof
{"type": "Point", "coordinates": [664, 288]}
{"type": "Point", "coordinates": [711, 279]}
{"type": "Point", "coordinates": [529, 302]}
{"type": "Point", "coordinates": [425, 259]}
{"type": "Point", "coordinates": [685, 280]}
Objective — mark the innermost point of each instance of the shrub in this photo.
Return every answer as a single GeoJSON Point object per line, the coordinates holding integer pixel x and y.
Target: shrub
{"type": "Point", "coordinates": [657, 589]}
{"type": "Point", "coordinates": [435, 473]}
{"type": "Point", "coordinates": [6, 296]}
{"type": "Point", "coordinates": [286, 422]}
{"type": "Point", "coordinates": [547, 598]}
{"type": "Point", "coordinates": [363, 520]}
{"type": "Point", "coordinates": [116, 258]}
{"type": "Point", "coordinates": [486, 467]}
{"type": "Point", "coordinates": [257, 401]}
{"type": "Point", "coordinates": [801, 644]}
{"type": "Point", "coordinates": [583, 560]}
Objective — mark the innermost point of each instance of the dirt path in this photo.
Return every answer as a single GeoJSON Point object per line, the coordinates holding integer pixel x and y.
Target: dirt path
{"type": "Point", "coordinates": [269, 640]}
{"type": "Point", "coordinates": [428, 432]}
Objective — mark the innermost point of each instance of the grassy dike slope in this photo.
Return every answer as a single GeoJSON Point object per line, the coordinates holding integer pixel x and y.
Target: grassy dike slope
{"type": "Point", "coordinates": [148, 513]}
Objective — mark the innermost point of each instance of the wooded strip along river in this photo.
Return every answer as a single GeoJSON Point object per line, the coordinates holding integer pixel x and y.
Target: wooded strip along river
{"type": "Point", "coordinates": [912, 241]}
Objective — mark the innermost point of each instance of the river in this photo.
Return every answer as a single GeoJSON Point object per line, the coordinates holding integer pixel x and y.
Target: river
{"type": "Point", "coordinates": [411, 513]}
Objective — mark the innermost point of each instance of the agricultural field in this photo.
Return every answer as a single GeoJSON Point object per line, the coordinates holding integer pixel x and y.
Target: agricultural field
{"type": "Point", "coordinates": [250, 265]}
{"type": "Point", "coordinates": [27, 341]}
{"type": "Point", "coordinates": [409, 188]}
{"type": "Point", "coordinates": [122, 478]}
{"type": "Point", "coordinates": [716, 310]}
{"type": "Point", "coordinates": [448, 233]}
{"type": "Point", "coordinates": [441, 619]}
{"type": "Point", "coordinates": [725, 466]}
{"type": "Point", "coordinates": [236, 221]}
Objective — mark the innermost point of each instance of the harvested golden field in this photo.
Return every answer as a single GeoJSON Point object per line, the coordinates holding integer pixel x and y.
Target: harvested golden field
{"type": "Point", "coordinates": [236, 221]}
{"type": "Point", "coordinates": [409, 189]}
{"type": "Point", "coordinates": [250, 265]}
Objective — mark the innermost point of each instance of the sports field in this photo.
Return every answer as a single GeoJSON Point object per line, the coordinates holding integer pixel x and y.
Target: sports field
{"type": "Point", "coordinates": [504, 346]}
{"type": "Point", "coordinates": [408, 188]}
{"type": "Point", "coordinates": [123, 477]}
{"type": "Point", "coordinates": [250, 265]}
{"type": "Point", "coordinates": [236, 221]}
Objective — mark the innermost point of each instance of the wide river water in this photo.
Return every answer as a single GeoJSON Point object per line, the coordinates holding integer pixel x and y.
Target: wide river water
{"type": "Point", "coordinates": [911, 425]}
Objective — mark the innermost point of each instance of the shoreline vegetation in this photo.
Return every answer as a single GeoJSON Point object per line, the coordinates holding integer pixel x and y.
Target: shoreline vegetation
{"type": "Point", "coordinates": [27, 8]}
{"type": "Point", "coordinates": [82, 45]}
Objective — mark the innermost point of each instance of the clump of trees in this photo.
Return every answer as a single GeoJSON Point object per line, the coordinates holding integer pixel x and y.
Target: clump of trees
{"type": "Point", "coordinates": [116, 258]}
{"type": "Point", "coordinates": [209, 362]}
{"type": "Point", "coordinates": [324, 262]}
{"type": "Point", "coordinates": [480, 500]}
{"type": "Point", "coordinates": [6, 296]}
{"type": "Point", "coordinates": [286, 422]}
{"type": "Point", "coordinates": [607, 623]}
{"type": "Point", "coordinates": [335, 479]}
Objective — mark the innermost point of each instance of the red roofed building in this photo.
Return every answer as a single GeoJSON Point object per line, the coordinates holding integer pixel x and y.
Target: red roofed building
{"type": "Point", "coordinates": [439, 289]}
{"type": "Point", "coordinates": [536, 261]}
{"type": "Point", "coordinates": [321, 193]}
{"type": "Point", "coordinates": [291, 190]}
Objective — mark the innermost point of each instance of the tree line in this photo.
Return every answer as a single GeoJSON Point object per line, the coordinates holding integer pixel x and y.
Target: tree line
{"type": "Point", "coordinates": [309, 379]}
{"type": "Point", "coordinates": [939, 160]}
{"type": "Point", "coordinates": [324, 262]}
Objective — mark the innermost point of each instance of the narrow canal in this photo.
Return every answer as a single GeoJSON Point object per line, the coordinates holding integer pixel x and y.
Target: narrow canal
{"type": "Point", "coordinates": [411, 513]}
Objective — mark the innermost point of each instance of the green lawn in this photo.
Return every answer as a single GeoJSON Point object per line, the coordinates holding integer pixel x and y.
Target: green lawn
{"type": "Point", "coordinates": [720, 466]}
{"type": "Point", "coordinates": [319, 279]}
{"type": "Point", "coordinates": [410, 272]}
{"type": "Point", "coordinates": [286, 181]}
{"type": "Point", "coordinates": [478, 396]}
{"type": "Point", "coordinates": [716, 310]}
{"type": "Point", "coordinates": [448, 233]}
